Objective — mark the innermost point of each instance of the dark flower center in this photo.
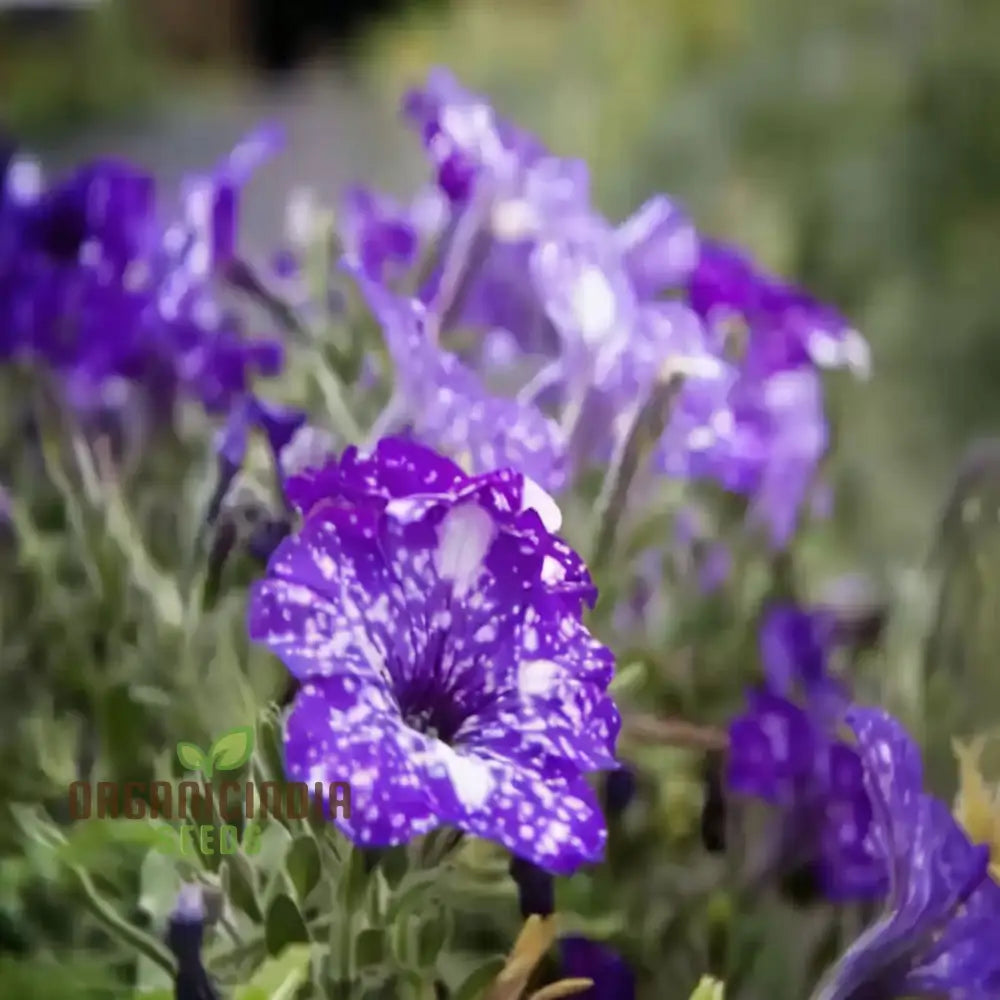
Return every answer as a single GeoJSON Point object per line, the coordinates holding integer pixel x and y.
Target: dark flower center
{"type": "Point", "coordinates": [431, 713]}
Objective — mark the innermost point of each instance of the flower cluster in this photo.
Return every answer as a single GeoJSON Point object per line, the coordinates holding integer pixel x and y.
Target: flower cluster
{"type": "Point", "coordinates": [848, 785]}
{"type": "Point", "coordinates": [788, 750]}
{"type": "Point", "coordinates": [575, 321]}
{"type": "Point", "coordinates": [114, 296]}
{"type": "Point", "coordinates": [428, 611]}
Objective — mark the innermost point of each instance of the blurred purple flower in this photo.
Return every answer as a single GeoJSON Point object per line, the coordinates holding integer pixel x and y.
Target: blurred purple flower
{"type": "Point", "coordinates": [463, 136]}
{"type": "Point", "coordinates": [377, 232]}
{"type": "Point", "coordinates": [786, 749]}
{"type": "Point", "coordinates": [660, 247]}
{"type": "Point", "coordinates": [586, 959]}
{"type": "Point", "coordinates": [936, 937]}
{"type": "Point", "coordinates": [785, 326]}
{"type": "Point", "coordinates": [450, 406]}
{"type": "Point", "coordinates": [98, 287]}
{"type": "Point", "coordinates": [585, 301]}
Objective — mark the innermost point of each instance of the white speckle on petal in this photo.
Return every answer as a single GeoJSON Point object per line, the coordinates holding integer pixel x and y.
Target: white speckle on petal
{"type": "Point", "coordinates": [533, 497]}
{"type": "Point", "coordinates": [24, 180]}
{"type": "Point", "coordinates": [464, 538]}
{"type": "Point", "coordinates": [594, 305]}
{"type": "Point", "coordinates": [535, 677]}
{"type": "Point", "coordinates": [513, 219]}
{"type": "Point", "coordinates": [553, 571]}
{"type": "Point", "coordinates": [470, 778]}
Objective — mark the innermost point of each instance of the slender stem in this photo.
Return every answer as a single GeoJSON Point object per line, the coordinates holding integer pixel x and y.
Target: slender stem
{"type": "Point", "coordinates": [675, 732]}
{"type": "Point", "coordinates": [542, 380]}
{"type": "Point", "coordinates": [120, 927]}
{"type": "Point", "coordinates": [389, 419]}
{"type": "Point", "coordinates": [245, 279]}
{"type": "Point", "coordinates": [464, 252]}
{"type": "Point", "coordinates": [332, 390]}
{"type": "Point", "coordinates": [646, 428]}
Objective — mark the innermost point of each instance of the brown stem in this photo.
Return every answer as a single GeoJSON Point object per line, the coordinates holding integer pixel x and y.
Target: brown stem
{"type": "Point", "coordinates": [674, 732]}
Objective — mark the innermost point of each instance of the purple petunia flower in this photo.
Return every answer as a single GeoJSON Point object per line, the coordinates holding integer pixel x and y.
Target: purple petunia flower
{"type": "Point", "coordinates": [442, 674]}
{"type": "Point", "coordinates": [786, 750]}
{"type": "Point", "coordinates": [937, 935]}
{"type": "Point", "coordinates": [586, 959]}
{"type": "Point", "coordinates": [414, 479]}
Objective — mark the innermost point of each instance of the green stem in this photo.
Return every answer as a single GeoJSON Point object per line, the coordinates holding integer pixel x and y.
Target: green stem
{"type": "Point", "coordinates": [139, 940]}
{"type": "Point", "coordinates": [647, 426]}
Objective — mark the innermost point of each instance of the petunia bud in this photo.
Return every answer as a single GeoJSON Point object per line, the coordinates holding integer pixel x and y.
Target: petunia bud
{"type": "Point", "coordinates": [536, 891]}
{"type": "Point", "coordinates": [713, 813]}
{"type": "Point", "coordinates": [619, 790]}
{"type": "Point", "coordinates": [185, 933]}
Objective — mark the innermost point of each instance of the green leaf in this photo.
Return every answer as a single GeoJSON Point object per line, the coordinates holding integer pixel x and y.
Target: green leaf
{"type": "Point", "coordinates": [279, 978]}
{"type": "Point", "coordinates": [369, 948]}
{"type": "Point", "coordinates": [240, 884]}
{"type": "Point", "coordinates": [303, 866]}
{"type": "Point", "coordinates": [354, 881]}
{"type": "Point", "coordinates": [233, 749]}
{"type": "Point", "coordinates": [477, 982]}
{"type": "Point", "coordinates": [270, 746]}
{"type": "Point", "coordinates": [394, 865]}
{"type": "Point", "coordinates": [191, 757]}
{"type": "Point", "coordinates": [413, 892]}
{"type": "Point", "coordinates": [432, 938]}
{"type": "Point", "coordinates": [269, 857]}
{"type": "Point", "coordinates": [90, 841]}
{"type": "Point", "coordinates": [284, 925]}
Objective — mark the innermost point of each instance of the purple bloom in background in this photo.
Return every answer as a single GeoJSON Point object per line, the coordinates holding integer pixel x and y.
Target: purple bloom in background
{"type": "Point", "coordinates": [768, 436]}
{"type": "Point", "coordinates": [937, 936]}
{"type": "Point", "coordinates": [786, 750]}
{"type": "Point", "coordinates": [600, 312]}
{"type": "Point", "coordinates": [660, 246]}
{"type": "Point", "coordinates": [463, 136]}
{"type": "Point", "coordinates": [211, 201]}
{"type": "Point", "coordinates": [98, 286]}
{"type": "Point", "coordinates": [786, 327]}
{"type": "Point", "coordinates": [377, 232]}
{"type": "Point", "coordinates": [442, 674]}
{"type": "Point", "coordinates": [450, 406]}
{"type": "Point", "coordinates": [586, 959]}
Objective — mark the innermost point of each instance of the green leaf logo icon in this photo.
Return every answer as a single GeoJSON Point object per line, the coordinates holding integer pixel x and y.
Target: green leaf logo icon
{"type": "Point", "coordinates": [231, 750]}
{"type": "Point", "coordinates": [191, 757]}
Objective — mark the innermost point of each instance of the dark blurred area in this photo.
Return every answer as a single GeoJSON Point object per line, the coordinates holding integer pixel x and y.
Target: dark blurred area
{"type": "Point", "coordinates": [280, 34]}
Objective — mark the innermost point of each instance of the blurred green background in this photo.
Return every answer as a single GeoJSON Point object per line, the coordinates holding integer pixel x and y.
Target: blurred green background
{"type": "Point", "coordinates": [854, 148]}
